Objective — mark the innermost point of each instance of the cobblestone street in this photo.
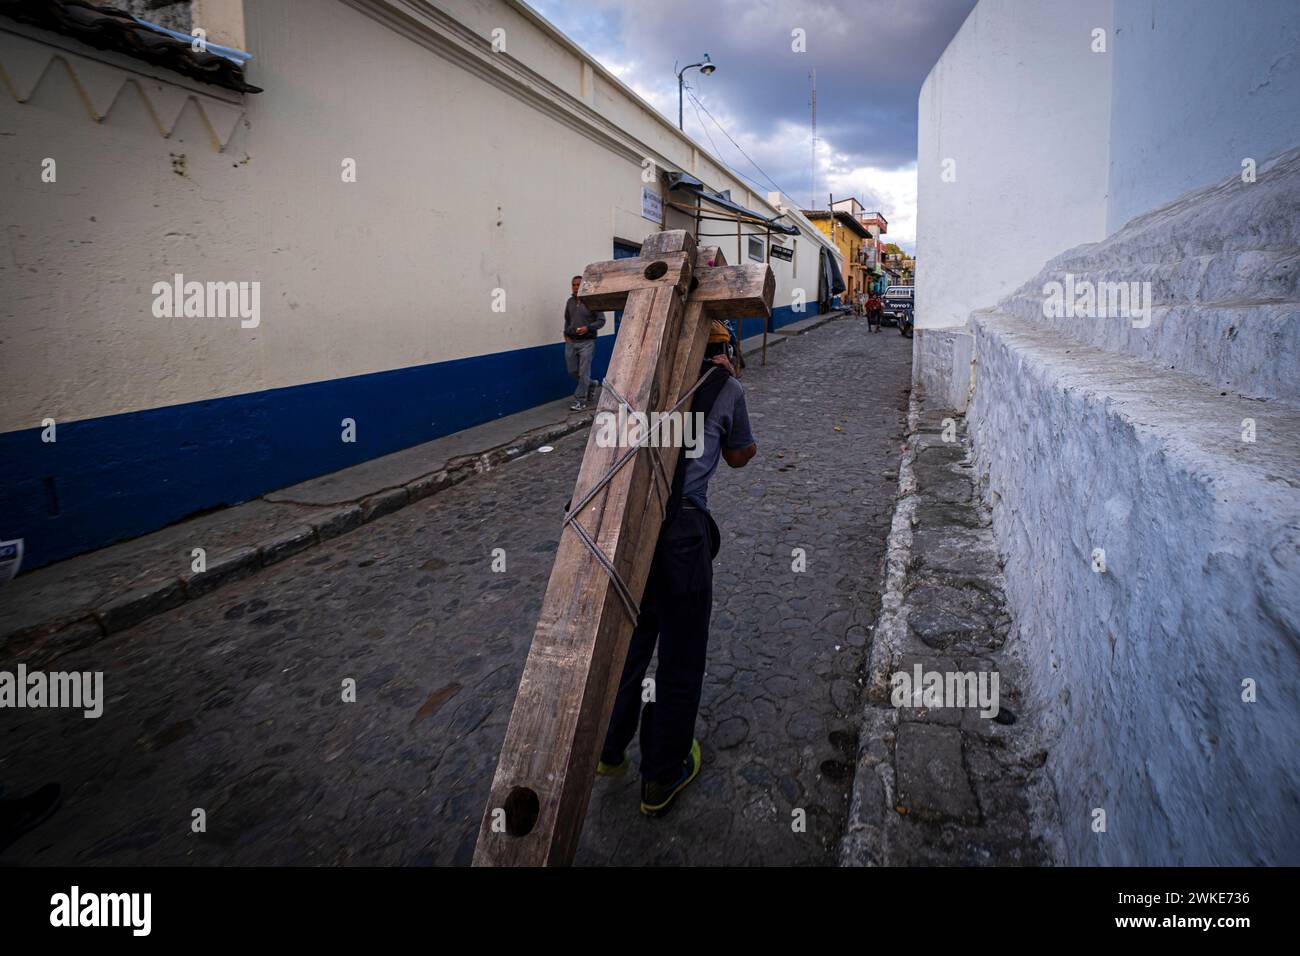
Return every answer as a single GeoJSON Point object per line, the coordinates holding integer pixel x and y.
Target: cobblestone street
{"type": "Point", "coordinates": [232, 703]}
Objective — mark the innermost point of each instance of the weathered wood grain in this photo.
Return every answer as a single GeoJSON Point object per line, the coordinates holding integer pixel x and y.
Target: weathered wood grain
{"type": "Point", "coordinates": [606, 285]}
{"type": "Point", "coordinates": [544, 777]}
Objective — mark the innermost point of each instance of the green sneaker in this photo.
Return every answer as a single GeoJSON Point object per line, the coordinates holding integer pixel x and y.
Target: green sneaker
{"type": "Point", "coordinates": [656, 798]}
{"type": "Point", "coordinates": [613, 769]}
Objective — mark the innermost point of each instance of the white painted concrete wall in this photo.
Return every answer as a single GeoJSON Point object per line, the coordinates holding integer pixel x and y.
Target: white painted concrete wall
{"type": "Point", "coordinates": [1091, 433]}
{"type": "Point", "coordinates": [1021, 105]}
{"type": "Point", "coordinates": [1056, 145]}
{"type": "Point", "coordinates": [1199, 86]}
{"type": "Point", "coordinates": [1137, 673]}
{"type": "Point", "coordinates": [475, 171]}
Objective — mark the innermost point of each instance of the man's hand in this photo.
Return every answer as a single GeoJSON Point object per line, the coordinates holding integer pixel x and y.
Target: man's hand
{"type": "Point", "coordinates": [739, 457]}
{"type": "Point", "coordinates": [725, 363]}
{"type": "Point", "coordinates": [580, 330]}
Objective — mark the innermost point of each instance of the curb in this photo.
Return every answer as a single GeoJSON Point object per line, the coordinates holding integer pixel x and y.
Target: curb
{"type": "Point", "coordinates": [872, 788]}
{"type": "Point", "coordinates": [41, 643]}
{"type": "Point", "coordinates": [895, 741]}
{"type": "Point", "coordinates": [790, 333]}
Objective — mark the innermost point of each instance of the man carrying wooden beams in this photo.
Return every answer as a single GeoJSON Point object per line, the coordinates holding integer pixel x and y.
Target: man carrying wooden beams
{"type": "Point", "coordinates": [548, 760]}
{"type": "Point", "coordinates": [677, 604]}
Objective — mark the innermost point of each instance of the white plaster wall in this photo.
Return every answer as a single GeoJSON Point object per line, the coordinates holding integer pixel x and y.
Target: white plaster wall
{"type": "Point", "coordinates": [474, 173]}
{"type": "Point", "coordinates": [941, 366]}
{"type": "Point", "coordinates": [1137, 672]}
{"type": "Point", "coordinates": [1021, 104]}
{"type": "Point", "coordinates": [1097, 434]}
{"type": "Point", "coordinates": [1225, 301]}
{"type": "Point", "coordinates": [1199, 86]}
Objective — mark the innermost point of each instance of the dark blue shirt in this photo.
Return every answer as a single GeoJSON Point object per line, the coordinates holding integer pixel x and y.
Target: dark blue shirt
{"type": "Point", "coordinates": [726, 426]}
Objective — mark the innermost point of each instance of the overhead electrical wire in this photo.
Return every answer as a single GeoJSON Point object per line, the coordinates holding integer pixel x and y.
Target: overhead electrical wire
{"type": "Point", "coordinates": [740, 148]}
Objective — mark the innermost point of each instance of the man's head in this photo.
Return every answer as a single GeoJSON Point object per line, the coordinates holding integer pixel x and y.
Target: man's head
{"type": "Point", "coordinates": [719, 348]}
{"type": "Point", "coordinates": [574, 283]}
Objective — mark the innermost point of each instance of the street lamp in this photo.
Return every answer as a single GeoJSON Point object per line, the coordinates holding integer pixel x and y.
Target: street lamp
{"type": "Point", "coordinates": [706, 67]}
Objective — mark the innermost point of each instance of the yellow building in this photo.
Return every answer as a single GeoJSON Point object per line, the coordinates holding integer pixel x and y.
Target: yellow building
{"type": "Point", "coordinates": [855, 233]}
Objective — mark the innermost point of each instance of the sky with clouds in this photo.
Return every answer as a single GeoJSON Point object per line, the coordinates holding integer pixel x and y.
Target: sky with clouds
{"type": "Point", "coordinates": [871, 57]}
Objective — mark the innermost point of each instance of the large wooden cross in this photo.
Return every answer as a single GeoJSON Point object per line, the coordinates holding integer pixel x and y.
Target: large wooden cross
{"type": "Point", "coordinates": [548, 760]}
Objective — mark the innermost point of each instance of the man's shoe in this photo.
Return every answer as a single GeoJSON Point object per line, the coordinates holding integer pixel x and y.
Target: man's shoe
{"type": "Point", "coordinates": [657, 798]}
{"type": "Point", "coordinates": [578, 407]}
{"type": "Point", "coordinates": [613, 769]}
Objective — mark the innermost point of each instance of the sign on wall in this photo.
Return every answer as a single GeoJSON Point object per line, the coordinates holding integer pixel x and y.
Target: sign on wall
{"type": "Point", "coordinates": [652, 206]}
{"type": "Point", "coordinates": [781, 252]}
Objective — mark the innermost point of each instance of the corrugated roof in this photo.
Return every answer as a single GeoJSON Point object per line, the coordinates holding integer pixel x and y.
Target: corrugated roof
{"type": "Point", "coordinates": [676, 180]}
{"type": "Point", "coordinates": [107, 28]}
{"type": "Point", "coordinates": [844, 217]}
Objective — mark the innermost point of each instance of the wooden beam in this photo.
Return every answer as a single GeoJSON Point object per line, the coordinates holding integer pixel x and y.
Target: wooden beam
{"type": "Point", "coordinates": [548, 760]}
{"type": "Point", "coordinates": [735, 292]}
{"type": "Point", "coordinates": [691, 345]}
{"type": "Point", "coordinates": [693, 341]}
{"type": "Point", "coordinates": [606, 285]}
{"type": "Point", "coordinates": [543, 780]}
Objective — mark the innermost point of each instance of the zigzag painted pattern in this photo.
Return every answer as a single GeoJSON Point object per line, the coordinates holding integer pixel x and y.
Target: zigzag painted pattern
{"type": "Point", "coordinates": [25, 65]}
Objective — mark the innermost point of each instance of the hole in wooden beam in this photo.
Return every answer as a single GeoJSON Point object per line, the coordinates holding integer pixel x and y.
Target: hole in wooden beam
{"type": "Point", "coordinates": [695, 283]}
{"type": "Point", "coordinates": [522, 809]}
{"type": "Point", "coordinates": [656, 270]}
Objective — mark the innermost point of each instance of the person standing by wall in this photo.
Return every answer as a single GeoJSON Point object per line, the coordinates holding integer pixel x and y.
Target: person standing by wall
{"type": "Point", "coordinates": [580, 326]}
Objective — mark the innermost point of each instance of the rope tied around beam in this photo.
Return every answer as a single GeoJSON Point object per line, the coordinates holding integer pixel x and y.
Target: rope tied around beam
{"type": "Point", "coordinates": [571, 517]}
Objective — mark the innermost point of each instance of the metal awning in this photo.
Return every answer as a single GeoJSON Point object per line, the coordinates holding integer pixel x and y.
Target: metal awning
{"type": "Point", "coordinates": [723, 199]}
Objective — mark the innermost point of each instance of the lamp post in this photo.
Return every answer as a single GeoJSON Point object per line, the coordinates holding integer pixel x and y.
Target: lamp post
{"type": "Point", "coordinates": [706, 67]}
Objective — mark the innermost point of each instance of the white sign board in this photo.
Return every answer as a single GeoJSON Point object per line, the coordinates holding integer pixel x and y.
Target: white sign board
{"type": "Point", "coordinates": [652, 206]}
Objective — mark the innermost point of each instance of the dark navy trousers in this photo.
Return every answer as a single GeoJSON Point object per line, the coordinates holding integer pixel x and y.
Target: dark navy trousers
{"type": "Point", "coordinates": [675, 617]}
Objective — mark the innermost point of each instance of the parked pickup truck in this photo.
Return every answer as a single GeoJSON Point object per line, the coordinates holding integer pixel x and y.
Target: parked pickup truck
{"type": "Point", "coordinates": [897, 300]}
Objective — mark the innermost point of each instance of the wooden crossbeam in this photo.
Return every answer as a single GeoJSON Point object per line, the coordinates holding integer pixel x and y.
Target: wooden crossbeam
{"type": "Point", "coordinates": [736, 292]}
{"type": "Point", "coordinates": [606, 285]}
{"type": "Point", "coordinates": [544, 776]}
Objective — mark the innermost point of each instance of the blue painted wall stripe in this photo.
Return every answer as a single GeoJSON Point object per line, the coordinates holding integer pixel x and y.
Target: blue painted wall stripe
{"type": "Point", "coordinates": [124, 475]}
{"type": "Point", "coordinates": [111, 478]}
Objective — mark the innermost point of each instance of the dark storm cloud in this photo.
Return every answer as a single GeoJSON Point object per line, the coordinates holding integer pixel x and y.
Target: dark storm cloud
{"type": "Point", "coordinates": [871, 57]}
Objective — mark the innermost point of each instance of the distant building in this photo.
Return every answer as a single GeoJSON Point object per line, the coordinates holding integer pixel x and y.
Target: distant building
{"type": "Point", "coordinates": [855, 233]}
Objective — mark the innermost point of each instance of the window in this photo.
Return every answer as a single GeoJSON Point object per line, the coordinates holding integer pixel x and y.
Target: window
{"type": "Point", "coordinates": [757, 249]}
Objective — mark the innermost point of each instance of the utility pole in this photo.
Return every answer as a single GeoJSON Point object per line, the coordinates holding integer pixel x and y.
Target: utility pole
{"type": "Point", "coordinates": [812, 192]}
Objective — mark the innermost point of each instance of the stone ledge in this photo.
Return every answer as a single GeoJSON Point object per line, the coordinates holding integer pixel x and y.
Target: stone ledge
{"type": "Point", "coordinates": [1080, 449]}
{"type": "Point", "coordinates": [1227, 301]}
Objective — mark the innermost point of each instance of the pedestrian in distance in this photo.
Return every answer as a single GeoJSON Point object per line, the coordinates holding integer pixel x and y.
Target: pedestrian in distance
{"type": "Point", "coordinates": [875, 313]}
{"type": "Point", "coordinates": [580, 327]}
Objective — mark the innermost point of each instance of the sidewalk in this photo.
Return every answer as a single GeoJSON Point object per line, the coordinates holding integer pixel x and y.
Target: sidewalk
{"type": "Point", "coordinates": [942, 784]}
{"type": "Point", "coordinates": [76, 602]}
